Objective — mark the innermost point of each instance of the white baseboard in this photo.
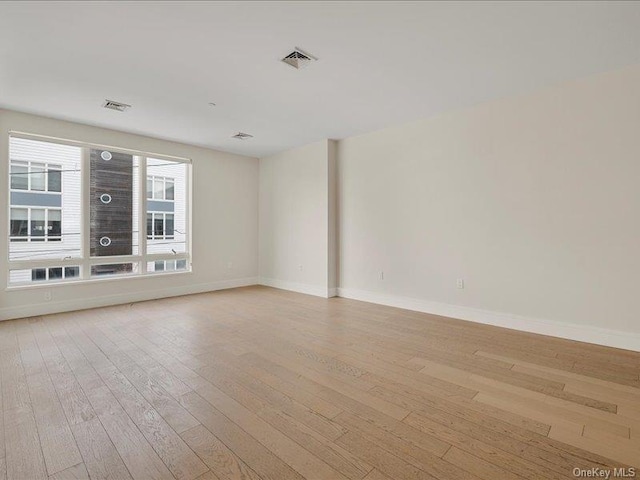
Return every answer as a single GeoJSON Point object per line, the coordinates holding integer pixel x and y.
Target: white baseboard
{"type": "Point", "coordinates": [8, 313]}
{"type": "Point", "coordinates": [570, 331]}
{"type": "Point", "coordinates": [316, 290]}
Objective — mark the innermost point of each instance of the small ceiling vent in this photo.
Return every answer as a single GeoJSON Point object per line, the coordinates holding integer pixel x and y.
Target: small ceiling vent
{"type": "Point", "coordinates": [242, 136]}
{"type": "Point", "coordinates": [299, 59]}
{"type": "Point", "coordinates": [111, 105]}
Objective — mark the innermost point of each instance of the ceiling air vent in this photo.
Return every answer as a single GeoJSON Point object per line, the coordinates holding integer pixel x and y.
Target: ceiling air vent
{"type": "Point", "coordinates": [111, 105]}
{"type": "Point", "coordinates": [299, 59]}
{"type": "Point", "coordinates": [242, 136]}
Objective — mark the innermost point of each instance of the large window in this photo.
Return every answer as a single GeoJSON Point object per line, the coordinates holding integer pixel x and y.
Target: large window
{"type": "Point", "coordinates": [79, 211]}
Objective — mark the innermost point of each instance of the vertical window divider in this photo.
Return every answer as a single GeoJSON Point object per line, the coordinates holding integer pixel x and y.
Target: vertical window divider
{"type": "Point", "coordinates": [142, 214]}
{"type": "Point", "coordinates": [188, 218]}
{"type": "Point", "coordinates": [85, 216]}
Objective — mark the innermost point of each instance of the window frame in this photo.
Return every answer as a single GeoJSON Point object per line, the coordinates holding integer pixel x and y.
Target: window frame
{"type": "Point", "coordinates": [63, 278]}
{"type": "Point", "coordinates": [85, 261]}
{"type": "Point", "coordinates": [164, 180]}
{"type": "Point", "coordinates": [151, 236]}
{"type": "Point", "coordinates": [48, 166]}
{"type": "Point", "coordinates": [29, 238]}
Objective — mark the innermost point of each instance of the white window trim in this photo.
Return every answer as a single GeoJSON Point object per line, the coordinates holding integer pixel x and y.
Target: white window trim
{"type": "Point", "coordinates": [164, 180]}
{"type": "Point", "coordinates": [153, 236]}
{"type": "Point", "coordinates": [47, 167]}
{"type": "Point", "coordinates": [36, 238]}
{"type": "Point", "coordinates": [85, 261]}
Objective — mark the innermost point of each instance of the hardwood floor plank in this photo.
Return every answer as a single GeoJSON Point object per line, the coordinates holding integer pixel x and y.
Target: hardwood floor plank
{"type": "Point", "coordinates": [23, 454]}
{"type": "Point", "coordinates": [77, 472]}
{"type": "Point", "coordinates": [258, 383]}
{"type": "Point", "coordinates": [58, 445]}
{"type": "Point", "coordinates": [218, 457]}
{"type": "Point", "coordinates": [101, 458]}
{"type": "Point", "coordinates": [253, 453]}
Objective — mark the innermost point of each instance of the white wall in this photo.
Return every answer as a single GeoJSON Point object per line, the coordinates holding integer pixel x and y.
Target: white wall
{"type": "Point", "coordinates": [534, 201]}
{"type": "Point", "coordinates": [225, 223]}
{"type": "Point", "coordinates": [294, 219]}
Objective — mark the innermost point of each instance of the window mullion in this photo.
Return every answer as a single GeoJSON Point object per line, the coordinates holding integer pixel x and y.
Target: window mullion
{"type": "Point", "coordinates": [142, 214]}
{"type": "Point", "coordinates": [85, 213]}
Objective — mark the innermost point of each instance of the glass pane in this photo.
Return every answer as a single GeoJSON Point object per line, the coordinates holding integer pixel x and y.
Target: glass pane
{"type": "Point", "coordinates": [149, 225]}
{"type": "Point", "coordinates": [113, 225]}
{"type": "Point", "coordinates": [174, 239]}
{"type": "Point", "coordinates": [37, 223]}
{"type": "Point", "coordinates": [158, 188]}
{"type": "Point", "coordinates": [38, 274]}
{"type": "Point", "coordinates": [114, 269]}
{"type": "Point", "coordinates": [20, 177]}
{"type": "Point", "coordinates": [19, 224]}
{"type": "Point", "coordinates": [55, 224]}
{"type": "Point", "coordinates": [71, 272]}
{"type": "Point", "coordinates": [54, 180]}
{"type": "Point", "coordinates": [66, 161]}
{"type": "Point", "coordinates": [158, 225]}
{"type": "Point", "coordinates": [55, 273]}
{"type": "Point", "coordinates": [149, 187]}
{"type": "Point", "coordinates": [160, 266]}
{"type": "Point", "coordinates": [37, 177]}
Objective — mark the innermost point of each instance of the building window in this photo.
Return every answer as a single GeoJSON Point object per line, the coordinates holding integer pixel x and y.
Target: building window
{"type": "Point", "coordinates": [36, 177]}
{"type": "Point", "coordinates": [114, 212]}
{"type": "Point", "coordinates": [167, 266]}
{"type": "Point", "coordinates": [160, 226]}
{"type": "Point", "coordinates": [160, 188]}
{"type": "Point", "coordinates": [54, 273]}
{"type": "Point", "coordinates": [32, 224]}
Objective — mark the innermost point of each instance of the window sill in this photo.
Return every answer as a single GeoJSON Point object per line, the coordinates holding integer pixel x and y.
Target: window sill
{"type": "Point", "coordinates": [54, 284]}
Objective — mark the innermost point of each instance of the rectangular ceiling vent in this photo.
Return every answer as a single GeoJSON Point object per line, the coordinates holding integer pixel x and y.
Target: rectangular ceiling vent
{"type": "Point", "coordinates": [111, 105]}
{"type": "Point", "coordinates": [299, 59]}
{"type": "Point", "coordinates": [242, 136]}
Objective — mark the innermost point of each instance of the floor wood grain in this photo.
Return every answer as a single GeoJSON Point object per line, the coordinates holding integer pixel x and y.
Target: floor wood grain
{"type": "Point", "coordinates": [258, 383]}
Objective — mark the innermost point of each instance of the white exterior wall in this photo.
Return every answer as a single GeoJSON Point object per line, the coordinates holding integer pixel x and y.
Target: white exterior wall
{"type": "Point", "coordinates": [69, 158]}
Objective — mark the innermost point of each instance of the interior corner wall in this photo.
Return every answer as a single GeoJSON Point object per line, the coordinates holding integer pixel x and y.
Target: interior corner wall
{"type": "Point", "coordinates": [224, 232]}
{"type": "Point", "coordinates": [294, 220]}
{"type": "Point", "coordinates": [533, 201]}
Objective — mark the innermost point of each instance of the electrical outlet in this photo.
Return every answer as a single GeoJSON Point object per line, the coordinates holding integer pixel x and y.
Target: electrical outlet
{"type": "Point", "coordinates": [48, 296]}
{"type": "Point", "coordinates": [381, 275]}
{"type": "Point", "coordinates": [460, 283]}
{"type": "Point", "coordinates": [300, 267]}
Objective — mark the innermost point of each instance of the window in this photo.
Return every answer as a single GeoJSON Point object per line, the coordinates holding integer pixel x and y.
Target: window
{"type": "Point", "coordinates": [54, 273]}
{"type": "Point", "coordinates": [33, 224]}
{"type": "Point", "coordinates": [81, 212]}
{"type": "Point", "coordinates": [167, 266]}
{"type": "Point", "coordinates": [159, 226]}
{"type": "Point", "coordinates": [160, 188]}
{"type": "Point", "coordinates": [36, 177]}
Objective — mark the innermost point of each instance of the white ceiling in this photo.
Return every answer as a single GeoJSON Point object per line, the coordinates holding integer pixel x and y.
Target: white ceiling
{"type": "Point", "coordinates": [380, 63]}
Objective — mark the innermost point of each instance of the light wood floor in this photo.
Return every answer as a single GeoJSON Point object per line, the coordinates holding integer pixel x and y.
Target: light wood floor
{"type": "Point", "coordinates": [260, 383]}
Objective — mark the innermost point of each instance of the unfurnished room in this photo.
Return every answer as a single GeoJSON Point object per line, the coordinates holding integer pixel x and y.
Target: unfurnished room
{"type": "Point", "coordinates": [321, 240]}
